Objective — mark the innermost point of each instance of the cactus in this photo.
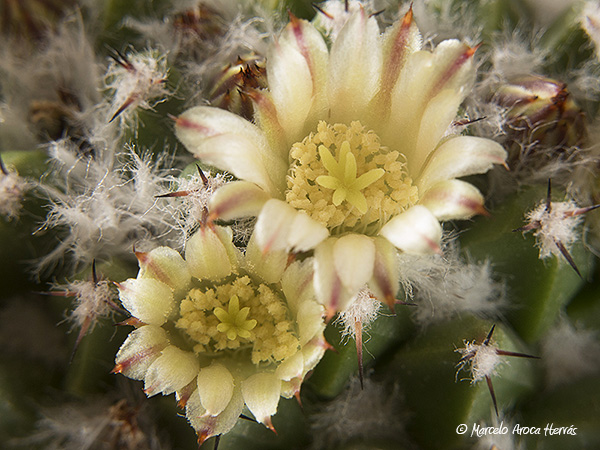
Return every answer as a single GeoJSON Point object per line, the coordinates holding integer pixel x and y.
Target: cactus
{"type": "Point", "coordinates": [352, 224]}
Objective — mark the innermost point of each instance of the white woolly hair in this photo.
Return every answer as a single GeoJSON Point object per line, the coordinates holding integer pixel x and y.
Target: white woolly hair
{"type": "Point", "coordinates": [363, 309]}
{"type": "Point", "coordinates": [554, 226]}
{"type": "Point", "coordinates": [245, 27]}
{"type": "Point", "coordinates": [374, 412]}
{"type": "Point", "coordinates": [484, 362]}
{"type": "Point", "coordinates": [92, 301]}
{"type": "Point", "coordinates": [569, 353]}
{"type": "Point", "coordinates": [64, 66]}
{"type": "Point", "coordinates": [111, 421]}
{"type": "Point", "coordinates": [12, 189]}
{"type": "Point", "coordinates": [186, 212]}
{"type": "Point", "coordinates": [141, 83]}
{"type": "Point", "coordinates": [104, 204]}
{"type": "Point", "coordinates": [447, 286]}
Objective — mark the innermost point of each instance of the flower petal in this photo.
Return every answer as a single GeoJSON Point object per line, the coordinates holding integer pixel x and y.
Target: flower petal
{"type": "Point", "coordinates": [297, 285]}
{"type": "Point", "coordinates": [206, 425]}
{"type": "Point", "coordinates": [210, 253]}
{"type": "Point", "coordinates": [171, 371]}
{"type": "Point", "coordinates": [386, 272]}
{"type": "Point", "coordinates": [215, 387]}
{"type": "Point", "coordinates": [310, 321]}
{"type": "Point", "coordinates": [267, 265]}
{"type": "Point", "coordinates": [230, 143]}
{"type": "Point", "coordinates": [261, 394]}
{"type": "Point", "coordinates": [236, 200]}
{"type": "Point", "coordinates": [398, 42]}
{"type": "Point", "coordinates": [166, 265]}
{"type": "Point", "coordinates": [147, 299]}
{"type": "Point", "coordinates": [291, 87]}
{"type": "Point", "coordinates": [460, 156]}
{"type": "Point", "coordinates": [329, 289]}
{"type": "Point", "coordinates": [281, 227]}
{"type": "Point", "coordinates": [414, 231]}
{"type": "Point", "coordinates": [453, 199]}
{"type": "Point", "coordinates": [353, 257]}
{"type": "Point", "coordinates": [291, 367]}
{"type": "Point", "coordinates": [354, 68]}
{"type": "Point", "coordinates": [141, 348]}
{"type": "Point", "coordinates": [308, 41]}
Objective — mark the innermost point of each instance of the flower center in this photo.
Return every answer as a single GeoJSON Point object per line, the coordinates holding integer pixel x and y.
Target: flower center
{"type": "Point", "coordinates": [238, 315]}
{"type": "Point", "coordinates": [343, 178]}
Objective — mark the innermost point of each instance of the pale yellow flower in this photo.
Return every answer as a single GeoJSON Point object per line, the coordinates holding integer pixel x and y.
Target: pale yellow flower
{"type": "Point", "coordinates": [220, 329]}
{"type": "Point", "coordinates": [351, 153]}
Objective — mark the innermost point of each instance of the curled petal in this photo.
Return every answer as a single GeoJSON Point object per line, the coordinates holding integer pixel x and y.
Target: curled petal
{"type": "Point", "coordinates": [353, 257]}
{"type": "Point", "coordinates": [453, 199]}
{"type": "Point", "coordinates": [210, 254]}
{"type": "Point", "coordinates": [171, 371]}
{"type": "Point", "coordinates": [458, 157]}
{"type": "Point", "coordinates": [215, 387]}
{"type": "Point", "coordinates": [230, 143]}
{"type": "Point", "coordinates": [147, 299]}
{"type": "Point", "coordinates": [237, 200]}
{"type": "Point", "coordinates": [414, 231]}
{"type": "Point", "coordinates": [261, 394]}
{"type": "Point", "coordinates": [141, 348]}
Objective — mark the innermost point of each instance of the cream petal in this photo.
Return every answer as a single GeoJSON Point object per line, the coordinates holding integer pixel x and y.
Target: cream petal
{"type": "Point", "coordinates": [424, 76]}
{"type": "Point", "coordinates": [171, 371]}
{"type": "Point", "coordinates": [231, 143]}
{"type": "Point", "coordinates": [281, 227]}
{"type": "Point", "coordinates": [386, 272]}
{"type": "Point", "coordinates": [236, 200]}
{"type": "Point", "coordinates": [437, 118]}
{"type": "Point", "coordinates": [147, 299]}
{"type": "Point", "coordinates": [297, 285]}
{"type": "Point", "coordinates": [206, 425]}
{"type": "Point", "coordinates": [141, 348]}
{"type": "Point", "coordinates": [261, 394]}
{"type": "Point", "coordinates": [313, 353]}
{"type": "Point", "coordinates": [414, 231]}
{"type": "Point", "coordinates": [458, 157]}
{"type": "Point", "coordinates": [273, 225]}
{"type": "Point", "coordinates": [453, 199]}
{"type": "Point", "coordinates": [215, 387]}
{"type": "Point", "coordinates": [166, 265]}
{"type": "Point", "coordinates": [310, 321]}
{"type": "Point", "coordinates": [305, 233]}
{"type": "Point", "coordinates": [329, 290]}
{"type": "Point", "coordinates": [290, 368]}
{"type": "Point", "coordinates": [269, 265]}
{"type": "Point", "coordinates": [398, 42]}
{"type": "Point", "coordinates": [354, 68]}
{"type": "Point", "coordinates": [265, 116]}
{"type": "Point", "coordinates": [291, 87]}
{"type": "Point", "coordinates": [353, 257]}
{"type": "Point", "coordinates": [309, 42]}
{"type": "Point", "coordinates": [210, 254]}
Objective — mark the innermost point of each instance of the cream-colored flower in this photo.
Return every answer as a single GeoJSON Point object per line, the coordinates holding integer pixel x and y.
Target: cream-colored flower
{"type": "Point", "coordinates": [349, 154]}
{"type": "Point", "coordinates": [221, 329]}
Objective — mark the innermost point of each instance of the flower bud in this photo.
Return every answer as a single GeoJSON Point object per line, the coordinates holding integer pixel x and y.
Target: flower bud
{"type": "Point", "coordinates": [541, 115]}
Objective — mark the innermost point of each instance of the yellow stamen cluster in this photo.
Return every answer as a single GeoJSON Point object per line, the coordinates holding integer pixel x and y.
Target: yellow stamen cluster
{"type": "Point", "coordinates": [239, 315]}
{"type": "Point", "coordinates": [343, 178]}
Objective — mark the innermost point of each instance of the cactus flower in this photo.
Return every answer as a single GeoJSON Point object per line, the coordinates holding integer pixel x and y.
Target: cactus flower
{"type": "Point", "coordinates": [220, 329]}
{"type": "Point", "coordinates": [349, 153]}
